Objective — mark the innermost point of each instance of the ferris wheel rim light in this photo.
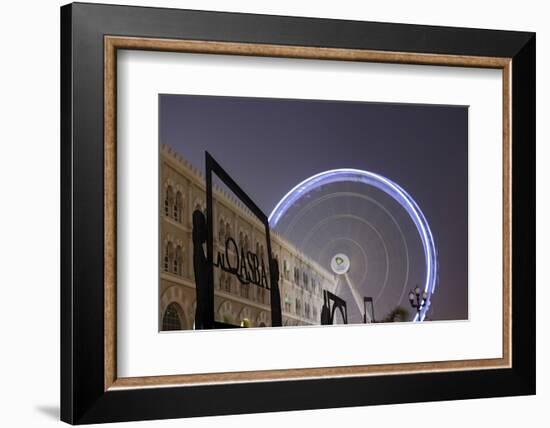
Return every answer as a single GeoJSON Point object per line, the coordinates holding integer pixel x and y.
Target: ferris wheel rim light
{"type": "Point", "coordinates": [390, 188]}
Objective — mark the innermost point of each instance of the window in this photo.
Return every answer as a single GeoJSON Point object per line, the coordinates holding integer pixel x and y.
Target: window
{"type": "Point", "coordinates": [168, 256]}
{"type": "Point", "coordinates": [168, 200]}
{"type": "Point", "coordinates": [178, 261]}
{"type": "Point", "coordinates": [288, 305]}
{"type": "Point", "coordinates": [277, 260]}
{"type": "Point", "coordinates": [297, 276]}
{"type": "Point", "coordinates": [286, 270]}
{"type": "Point", "coordinates": [261, 295]}
{"type": "Point", "coordinates": [227, 231]}
{"type": "Point", "coordinates": [171, 319]}
{"type": "Point", "coordinates": [245, 290]}
{"type": "Point", "coordinates": [221, 232]}
{"type": "Point", "coordinates": [178, 207]}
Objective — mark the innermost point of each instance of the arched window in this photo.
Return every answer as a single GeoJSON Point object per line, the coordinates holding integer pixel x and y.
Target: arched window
{"type": "Point", "coordinates": [227, 231]}
{"type": "Point", "coordinates": [168, 200]}
{"type": "Point", "coordinates": [241, 240]}
{"type": "Point", "coordinates": [178, 261]}
{"type": "Point", "coordinates": [168, 256]}
{"type": "Point", "coordinates": [221, 231]}
{"type": "Point", "coordinates": [276, 256]}
{"type": "Point", "coordinates": [297, 276]}
{"type": "Point", "coordinates": [288, 304]}
{"type": "Point", "coordinates": [171, 319]}
{"type": "Point", "coordinates": [178, 207]}
{"type": "Point", "coordinates": [260, 294]}
{"type": "Point", "coordinates": [245, 290]}
{"type": "Point", "coordinates": [246, 246]}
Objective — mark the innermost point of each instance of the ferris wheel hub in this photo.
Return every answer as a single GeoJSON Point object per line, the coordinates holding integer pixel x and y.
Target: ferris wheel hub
{"type": "Point", "coordinates": [340, 264]}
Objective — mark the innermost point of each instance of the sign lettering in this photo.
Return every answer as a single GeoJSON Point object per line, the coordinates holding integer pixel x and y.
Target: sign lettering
{"type": "Point", "coordinates": [246, 266]}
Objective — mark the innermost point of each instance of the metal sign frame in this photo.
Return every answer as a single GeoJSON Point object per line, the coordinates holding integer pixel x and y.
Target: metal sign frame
{"type": "Point", "coordinates": [213, 167]}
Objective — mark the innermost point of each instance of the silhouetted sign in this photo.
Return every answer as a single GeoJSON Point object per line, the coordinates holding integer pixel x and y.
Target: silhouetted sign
{"type": "Point", "coordinates": [245, 265]}
{"type": "Point", "coordinates": [249, 267]}
{"type": "Point", "coordinates": [204, 311]}
{"type": "Point", "coordinates": [332, 303]}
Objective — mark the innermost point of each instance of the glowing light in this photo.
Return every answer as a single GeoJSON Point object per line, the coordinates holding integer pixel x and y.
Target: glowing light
{"type": "Point", "coordinates": [340, 264]}
{"type": "Point", "coordinates": [390, 188]}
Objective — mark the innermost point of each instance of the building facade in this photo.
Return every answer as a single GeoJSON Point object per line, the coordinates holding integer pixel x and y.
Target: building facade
{"type": "Point", "coordinates": [301, 281]}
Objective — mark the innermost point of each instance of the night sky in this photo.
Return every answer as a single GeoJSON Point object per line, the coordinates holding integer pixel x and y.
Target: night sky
{"type": "Point", "coordinates": [270, 145]}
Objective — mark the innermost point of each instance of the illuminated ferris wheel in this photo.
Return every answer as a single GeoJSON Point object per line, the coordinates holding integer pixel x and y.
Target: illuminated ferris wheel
{"type": "Point", "coordinates": [365, 229]}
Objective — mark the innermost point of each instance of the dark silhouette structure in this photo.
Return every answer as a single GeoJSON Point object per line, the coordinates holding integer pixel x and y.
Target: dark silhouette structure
{"type": "Point", "coordinates": [204, 313]}
{"type": "Point", "coordinates": [418, 299]}
{"type": "Point", "coordinates": [332, 303]}
{"type": "Point", "coordinates": [213, 167]}
{"type": "Point", "coordinates": [276, 318]}
{"type": "Point", "coordinates": [325, 310]}
{"type": "Point", "coordinates": [365, 301]}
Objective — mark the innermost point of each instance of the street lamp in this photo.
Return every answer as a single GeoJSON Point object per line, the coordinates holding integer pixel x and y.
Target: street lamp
{"type": "Point", "coordinates": [365, 300]}
{"type": "Point", "coordinates": [417, 298]}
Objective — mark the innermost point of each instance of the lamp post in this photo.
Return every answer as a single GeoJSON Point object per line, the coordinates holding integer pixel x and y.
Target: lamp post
{"type": "Point", "coordinates": [418, 298]}
{"type": "Point", "coordinates": [365, 300]}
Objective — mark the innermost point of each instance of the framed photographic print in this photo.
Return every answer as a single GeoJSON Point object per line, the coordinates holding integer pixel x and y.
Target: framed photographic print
{"type": "Point", "coordinates": [265, 213]}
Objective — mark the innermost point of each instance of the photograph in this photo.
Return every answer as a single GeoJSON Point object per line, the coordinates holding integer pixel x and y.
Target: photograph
{"type": "Point", "coordinates": [271, 213]}
{"type": "Point", "coordinates": [326, 212]}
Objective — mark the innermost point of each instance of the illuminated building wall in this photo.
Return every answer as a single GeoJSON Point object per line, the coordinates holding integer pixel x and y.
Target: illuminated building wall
{"type": "Point", "coordinates": [182, 190]}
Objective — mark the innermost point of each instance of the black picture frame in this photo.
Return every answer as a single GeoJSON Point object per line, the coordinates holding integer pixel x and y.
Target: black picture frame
{"type": "Point", "coordinates": [83, 396]}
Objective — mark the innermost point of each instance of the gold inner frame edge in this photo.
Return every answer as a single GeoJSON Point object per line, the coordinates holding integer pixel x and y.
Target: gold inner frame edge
{"type": "Point", "coordinates": [113, 43]}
